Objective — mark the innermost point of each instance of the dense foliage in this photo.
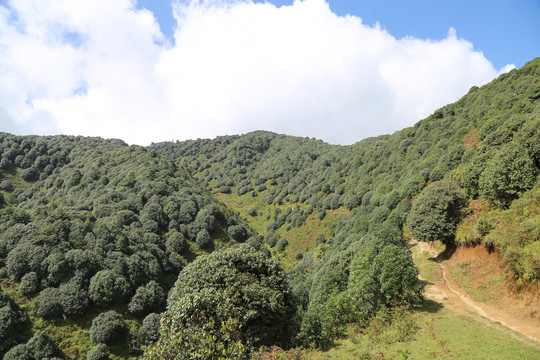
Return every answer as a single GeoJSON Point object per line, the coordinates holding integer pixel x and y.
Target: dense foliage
{"type": "Point", "coordinates": [238, 296]}
{"type": "Point", "coordinates": [436, 212]}
{"type": "Point", "coordinates": [96, 223]}
{"type": "Point", "coordinates": [93, 231]}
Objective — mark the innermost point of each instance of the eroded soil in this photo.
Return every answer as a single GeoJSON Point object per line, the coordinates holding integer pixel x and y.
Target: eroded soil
{"type": "Point", "coordinates": [516, 309]}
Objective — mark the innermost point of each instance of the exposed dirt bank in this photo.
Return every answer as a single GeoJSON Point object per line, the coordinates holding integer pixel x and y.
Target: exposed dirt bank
{"type": "Point", "coordinates": [483, 274]}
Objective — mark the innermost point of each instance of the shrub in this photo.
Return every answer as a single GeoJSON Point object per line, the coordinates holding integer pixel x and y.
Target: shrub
{"type": "Point", "coordinates": [204, 240]}
{"type": "Point", "coordinates": [147, 298]}
{"type": "Point", "coordinates": [74, 297]}
{"type": "Point", "coordinates": [225, 301]}
{"type": "Point", "coordinates": [108, 287]}
{"type": "Point", "coordinates": [238, 233]}
{"type": "Point", "coordinates": [176, 242]}
{"type": "Point", "coordinates": [507, 175]}
{"type": "Point", "coordinates": [19, 352]}
{"type": "Point", "coordinates": [6, 185]}
{"type": "Point", "coordinates": [30, 174]}
{"type": "Point", "coordinates": [436, 212]}
{"type": "Point", "coordinates": [319, 239]}
{"type": "Point", "coordinates": [99, 352]}
{"type": "Point", "coordinates": [11, 323]}
{"type": "Point", "coordinates": [151, 326]}
{"type": "Point", "coordinates": [108, 327]}
{"type": "Point", "coordinates": [282, 244]}
{"type": "Point", "coordinates": [29, 284]}
{"type": "Point", "coordinates": [47, 304]}
{"type": "Point", "coordinates": [42, 346]}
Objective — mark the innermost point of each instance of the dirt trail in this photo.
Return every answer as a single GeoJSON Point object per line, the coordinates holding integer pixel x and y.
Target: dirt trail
{"type": "Point", "coordinates": [454, 298]}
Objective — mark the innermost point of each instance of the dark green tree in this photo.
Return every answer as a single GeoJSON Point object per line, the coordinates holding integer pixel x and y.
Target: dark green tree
{"type": "Point", "coordinates": [108, 327]}
{"type": "Point", "coordinates": [108, 287]}
{"type": "Point", "coordinates": [99, 352]}
{"type": "Point", "coordinates": [507, 175]}
{"type": "Point", "coordinates": [436, 212]}
{"type": "Point", "coordinates": [238, 290]}
{"type": "Point", "coordinates": [147, 298]}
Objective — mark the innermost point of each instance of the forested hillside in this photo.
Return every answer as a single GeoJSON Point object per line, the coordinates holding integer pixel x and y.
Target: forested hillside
{"type": "Point", "coordinates": [484, 147]}
{"type": "Point", "coordinates": [109, 250]}
{"type": "Point", "coordinates": [92, 232]}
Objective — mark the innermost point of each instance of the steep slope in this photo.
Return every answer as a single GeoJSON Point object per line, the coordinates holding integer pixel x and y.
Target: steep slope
{"type": "Point", "coordinates": [487, 143]}
{"type": "Point", "coordinates": [473, 142]}
{"type": "Point", "coordinates": [88, 225]}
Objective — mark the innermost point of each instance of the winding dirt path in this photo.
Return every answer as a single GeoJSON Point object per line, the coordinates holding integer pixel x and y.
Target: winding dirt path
{"type": "Point", "coordinates": [451, 296]}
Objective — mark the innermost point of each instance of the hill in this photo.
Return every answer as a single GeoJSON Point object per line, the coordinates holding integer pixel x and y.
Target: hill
{"type": "Point", "coordinates": [94, 233]}
{"type": "Point", "coordinates": [89, 225]}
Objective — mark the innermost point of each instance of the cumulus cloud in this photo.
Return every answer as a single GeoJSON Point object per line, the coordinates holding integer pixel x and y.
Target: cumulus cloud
{"type": "Point", "coordinates": [103, 68]}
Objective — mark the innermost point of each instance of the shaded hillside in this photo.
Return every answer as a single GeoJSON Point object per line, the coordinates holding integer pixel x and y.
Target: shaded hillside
{"type": "Point", "coordinates": [89, 225]}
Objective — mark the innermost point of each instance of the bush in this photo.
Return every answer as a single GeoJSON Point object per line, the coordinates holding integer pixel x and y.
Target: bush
{"type": "Point", "coordinates": [252, 212]}
{"type": "Point", "coordinates": [319, 239]}
{"type": "Point", "coordinates": [6, 185]}
{"type": "Point", "coordinates": [151, 326]}
{"type": "Point", "coordinates": [19, 352]}
{"type": "Point", "coordinates": [108, 287]}
{"type": "Point", "coordinates": [147, 298]}
{"type": "Point", "coordinates": [29, 284]}
{"type": "Point", "coordinates": [321, 213]}
{"type": "Point", "coordinates": [74, 297]}
{"type": "Point", "coordinates": [42, 346]}
{"type": "Point", "coordinates": [226, 299]}
{"type": "Point", "coordinates": [507, 175]}
{"type": "Point", "coordinates": [224, 189]}
{"type": "Point", "coordinates": [436, 212]}
{"type": "Point", "coordinates": [30, 174]}
{"type": "Point", "coordinates": [108, 327]}
{"type": "Point", "coordinates": [282, 244]}
{"type": "Point", "coordinates": [11, 323]}
{"type": "Point", "coordinates": [176, 242]}
{"type": "Point", "coordinates": [99, 352]}
{"type": "Point", "coordinates": [238, 233]}
{"type": "Point", "coordinates": [47, 304]}
{"type": "Point", "coordinates": [204, 240]}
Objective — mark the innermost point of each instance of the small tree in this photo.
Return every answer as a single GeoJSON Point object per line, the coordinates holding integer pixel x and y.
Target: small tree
{"type": "Point", "coordinates": [108, 327]}
{"type": "Point", "coordinates": [509, 173]}
{"type": "Point", "coordinates": [204, 241]}
{"type": "Point", "coordinates": [99, 352]}
{"type": "Point", "coordinates": [436, 212]}
{"type": "Point", "coordinates": [29, 284]}
{"type": "Point", "coordinates": [147, 298]}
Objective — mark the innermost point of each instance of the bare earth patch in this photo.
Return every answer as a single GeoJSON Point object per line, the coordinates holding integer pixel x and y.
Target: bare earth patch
{"type": "Point", "coordinates": [516, 308]}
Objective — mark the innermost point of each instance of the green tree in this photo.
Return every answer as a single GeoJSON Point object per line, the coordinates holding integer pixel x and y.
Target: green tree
{"type": "Point", "coordinates": [107, 287]}
{"type": "Point", "coordinates": [237, 290]}
{"type": "Point", "coordinates": [99, 352]}
{"type": "Point", "coordinates": [108, 327]}
{"type": "Point", "coordinates": [436, 212]}
{"type": "Point", "coordinates": [507, 175]}
{"type": "Point", "coordinates": [147, 298]}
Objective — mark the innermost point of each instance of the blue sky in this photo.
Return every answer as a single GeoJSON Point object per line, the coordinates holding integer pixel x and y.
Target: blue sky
{"type": "Point", "coordinates": [507, 32]}
{"type": "Point", "coordinates": [151, 70]}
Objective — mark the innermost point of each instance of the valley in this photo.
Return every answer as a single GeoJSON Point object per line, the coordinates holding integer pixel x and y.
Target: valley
{"type": "Point", "coordinates": [271, 246]}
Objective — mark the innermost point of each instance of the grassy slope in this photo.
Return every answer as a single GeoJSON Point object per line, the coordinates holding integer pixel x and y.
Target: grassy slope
{"type": "Point", "coordinates": [428, 332]}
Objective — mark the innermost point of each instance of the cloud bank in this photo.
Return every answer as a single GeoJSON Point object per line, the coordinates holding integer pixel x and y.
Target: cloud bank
{"type": "Point", "coordinates": [103, 68]}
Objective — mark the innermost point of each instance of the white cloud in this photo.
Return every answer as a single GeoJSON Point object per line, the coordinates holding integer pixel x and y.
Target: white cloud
{"type": "Point", "coordinates": [102, 68]}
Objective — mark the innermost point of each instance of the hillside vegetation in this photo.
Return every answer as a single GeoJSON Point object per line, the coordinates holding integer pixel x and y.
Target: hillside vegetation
{"type": "Point", "coordinates": [94, 234]}
{"type": "Point", "coordinates": [485, 147]}
{"type": "Point", "coordinates": [89, 226]}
